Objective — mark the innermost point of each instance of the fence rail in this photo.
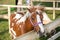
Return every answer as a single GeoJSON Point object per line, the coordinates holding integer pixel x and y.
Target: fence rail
{"type": "Point", "coordinates": [54, 36]}
{"type": "Point", "coordinates": [46, 8]}
{"type": "Point", "coordinates": [47, 0]}
{"type": "Point", "coordinates": [5, 16]}
{"type": "Point", "coordinates": [3, 8]}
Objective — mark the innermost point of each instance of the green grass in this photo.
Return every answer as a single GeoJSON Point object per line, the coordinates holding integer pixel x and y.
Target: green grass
{"type": "Point", "coordinates": [6, 2]}
{"type": "Point", "coordinates": [6, 11]}
{"type": "Point", "coordinates": [3, 12]}
{"type": "Point", "coordinates": [4, 31]}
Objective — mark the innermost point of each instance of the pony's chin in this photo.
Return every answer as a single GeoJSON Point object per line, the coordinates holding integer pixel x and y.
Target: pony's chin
{"type": "Point", "coordinates": [40, 33]}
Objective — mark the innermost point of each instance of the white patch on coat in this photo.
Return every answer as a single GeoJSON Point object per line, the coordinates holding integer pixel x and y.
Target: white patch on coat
{"type": "Point", "coordinates": [13, 31]}
{"type": "Point", "coordinates": [23, 19]}
{"type": "Point", "coordinates": [14, 34]}
{"type": "Point", "coordinates": [20, 26]}
{"type": "Point", "coordinates": [40, 25]}
{"type": "Point", "coordinates": [12, 24]}
{"type": "Point", "coordinates": [17, 16]}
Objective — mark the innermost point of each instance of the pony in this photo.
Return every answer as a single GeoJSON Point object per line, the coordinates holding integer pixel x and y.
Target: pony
{"type": "Point", "coordinates": [32, 20]}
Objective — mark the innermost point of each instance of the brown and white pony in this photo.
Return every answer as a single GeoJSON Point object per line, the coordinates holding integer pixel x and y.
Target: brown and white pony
{"type": "Point", "coordinates": [22, 24]}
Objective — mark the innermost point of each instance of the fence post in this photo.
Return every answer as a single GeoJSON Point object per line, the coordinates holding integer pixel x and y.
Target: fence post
{"type": "Point", "coordinates": [9, 18]}
{"type": "Point", "coordinates": [54, 9]}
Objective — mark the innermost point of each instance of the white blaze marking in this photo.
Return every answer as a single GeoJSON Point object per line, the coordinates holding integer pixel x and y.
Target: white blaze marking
{"type": "Point", "coordinates": [40, 25]}
{"type": "Point", "coordinates": [38, 11]}
{"type": "Point", "coordinates": [23, 19]}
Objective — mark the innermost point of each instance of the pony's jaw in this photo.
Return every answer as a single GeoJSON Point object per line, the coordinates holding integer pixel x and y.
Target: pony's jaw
{"type": "Point", "coordinates": [40, 25]}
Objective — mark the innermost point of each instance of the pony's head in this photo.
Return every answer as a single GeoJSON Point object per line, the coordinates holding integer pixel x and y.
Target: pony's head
{"type": "Point", "coordinates": [36, 19]}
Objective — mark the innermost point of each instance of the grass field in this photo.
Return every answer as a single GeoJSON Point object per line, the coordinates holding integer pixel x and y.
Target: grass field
{"type": "Point", "coordinates": [4, 31]}
{"type": "Point", "coordinates": [4, 28]}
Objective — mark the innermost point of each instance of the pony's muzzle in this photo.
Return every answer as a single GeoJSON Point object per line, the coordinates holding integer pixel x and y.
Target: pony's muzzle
{"type": "Point", "coordinates": [40, 33]}
{"type": "Point", "coordinates": [42, 30]}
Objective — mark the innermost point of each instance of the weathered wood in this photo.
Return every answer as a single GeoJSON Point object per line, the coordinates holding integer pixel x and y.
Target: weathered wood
{"type": "Point", "coordinates": [54, 10]}
{"type": "Point", "coordinates": [28, 36]}
{"type": "Point", "coordinates": [46, 8]}
{"type": "Point", "coordinates": [54, 36]}
{"type": "Point", "coordinates": [51, 26]}
{"type": "Point", "coordinates": [47, 0]}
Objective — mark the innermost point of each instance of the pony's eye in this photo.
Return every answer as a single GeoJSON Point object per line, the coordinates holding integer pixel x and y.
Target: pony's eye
{"type": "Point", "coordinates": [32, 18]}
{"type": "Point", "coordinates": [37, 13]}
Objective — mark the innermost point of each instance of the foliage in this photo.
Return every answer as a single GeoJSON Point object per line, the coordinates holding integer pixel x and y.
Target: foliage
{"type": "Point", "coordinates": [48, 4]}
